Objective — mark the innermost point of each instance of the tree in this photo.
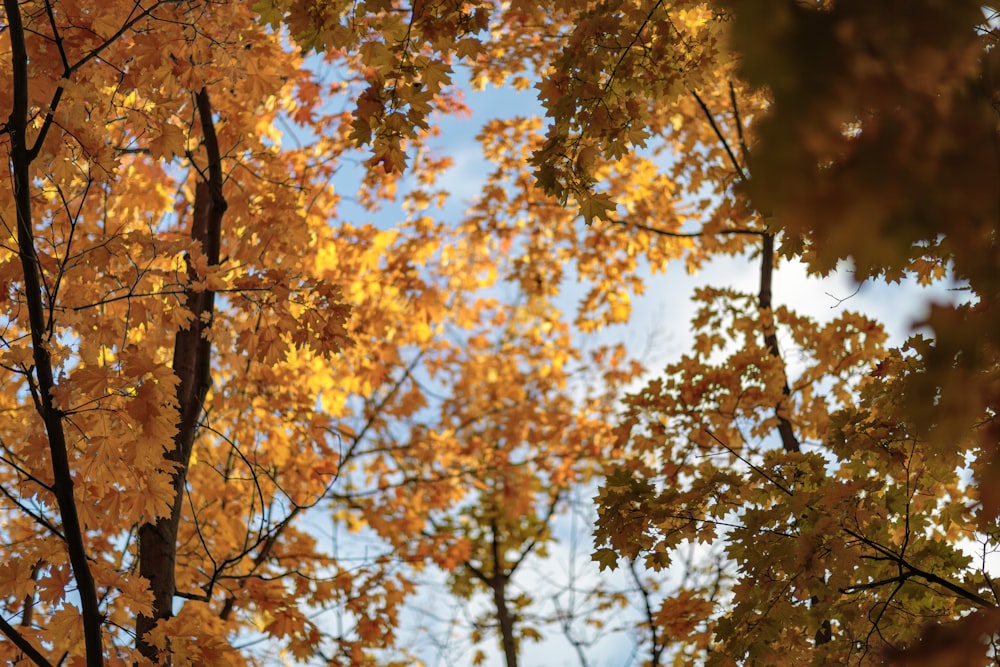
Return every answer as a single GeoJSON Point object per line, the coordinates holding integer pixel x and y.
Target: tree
{"type": "Point", "coordinates": [536, 432]}
{"type": "Point", "coordinates": [851, 490]}
{"type": "Point", "coordinates": [195, 346]}
{"type": "Point", "coordinates": [126, 128]}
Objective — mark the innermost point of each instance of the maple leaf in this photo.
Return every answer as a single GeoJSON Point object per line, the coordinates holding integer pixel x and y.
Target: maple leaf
{"type": "Point", "coordinates": [169, 142]}
{"type": "Point", "coordinates": [606, 558]}
{"type": "Point", "coordinates": [596, 206]}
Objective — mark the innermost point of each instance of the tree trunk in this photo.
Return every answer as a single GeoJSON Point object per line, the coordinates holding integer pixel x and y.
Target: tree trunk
{"type": "Point", "coordinates": [789, 441]}
{"type": "Point", "coordinates": [192, 364]}
{"type": "Point", "coordinates": [62, 488]}
{"type": "Point", "coordinates": [498, 582]}
{"type": "Point", "coordinates": [505, 619]}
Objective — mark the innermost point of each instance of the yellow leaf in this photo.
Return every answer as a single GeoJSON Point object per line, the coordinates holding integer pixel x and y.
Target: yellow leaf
{"type": "Point", "coordinates": [596, 206]}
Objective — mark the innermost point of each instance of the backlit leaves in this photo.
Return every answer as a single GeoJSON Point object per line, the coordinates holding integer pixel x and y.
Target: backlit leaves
{"type": "Point", "coordinates": [431, 383]}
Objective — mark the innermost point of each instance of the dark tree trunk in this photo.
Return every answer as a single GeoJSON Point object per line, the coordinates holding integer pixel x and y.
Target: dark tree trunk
{"type": "Point", "coordinates": [44, 381]}
{"type": "Point", "coordinates": [504, 618]}
{"type": "Point", "coordinates": [192, 364]}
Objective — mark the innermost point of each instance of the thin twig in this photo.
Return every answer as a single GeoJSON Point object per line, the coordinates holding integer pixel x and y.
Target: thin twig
{"type": "Point", "coordinates": [756, 469]}
{"type": "Point", "coordinates": [722, 138]}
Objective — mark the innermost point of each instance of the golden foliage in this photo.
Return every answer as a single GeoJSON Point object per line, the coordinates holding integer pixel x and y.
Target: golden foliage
{"type": "Point", "coordinates": [198, 343]}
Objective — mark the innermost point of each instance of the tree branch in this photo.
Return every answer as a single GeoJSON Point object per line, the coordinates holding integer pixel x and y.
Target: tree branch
{"type": "Point", "coordinates": [912, 570]}
{"type": "Point", "coordinates": [657, 645]}
{"type": "Point", "coordinates": [721, 137]}
{"type": "Point", "coordinates": [16, 638]}
{"type": "Point", "coordinates": [68, 69]}
{"type": "Point", "coordinates": [533, 541]}
{"type": "Point", "coordinates": [687, 235]}
{"type": "Point", "coordinates": [744, 151]}
{"type": "Point", "coordinates": [756, 469]}
{"type": "Point", "coordinates": [788, 439]}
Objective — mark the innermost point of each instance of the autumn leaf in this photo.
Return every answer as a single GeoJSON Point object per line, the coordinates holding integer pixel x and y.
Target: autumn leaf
{"type": "Point", "coordinates": [596, 206]}
{"type": "Point", "coordinates": [606, 558]}
{"type": "Point", "coordinates": [239, 302]}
